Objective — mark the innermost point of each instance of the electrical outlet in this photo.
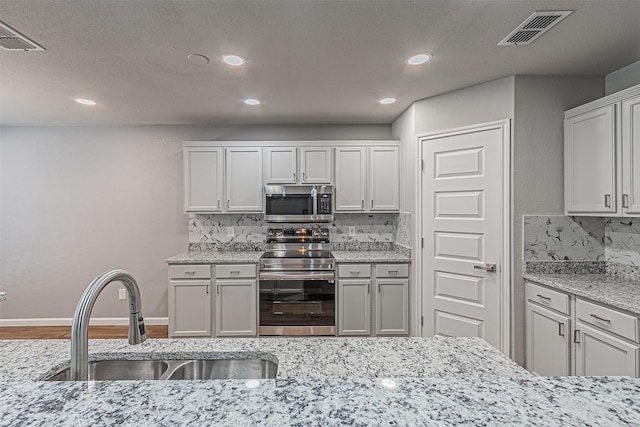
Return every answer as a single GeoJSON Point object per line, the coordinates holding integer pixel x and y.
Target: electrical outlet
{"type": "Point", "coordinates": [352, 231]}
{"type": "Point", "coordinates": [230, 232]}
{"type": "Point", "coordinates": [122, 293]}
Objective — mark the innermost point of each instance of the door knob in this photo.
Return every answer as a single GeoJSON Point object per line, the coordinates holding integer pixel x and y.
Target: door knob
{"type": "Point", "coordinates": [491, 268]}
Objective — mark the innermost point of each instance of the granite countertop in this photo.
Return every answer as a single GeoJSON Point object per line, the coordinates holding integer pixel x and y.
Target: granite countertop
{"type": "Point", "coordinates": [216, 257]}
{"type": "Point", "coordinates": [615, 291]}
{"type": "Point", "coordinates": [237, 257]}
{"type": "Point", "coordinates": [370, 256]}
{"type": "Point", "coordinates": [321, 381]}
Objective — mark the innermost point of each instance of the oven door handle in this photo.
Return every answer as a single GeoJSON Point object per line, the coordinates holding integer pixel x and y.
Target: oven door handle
{"type": "Point", "coordinates": [295, 275]}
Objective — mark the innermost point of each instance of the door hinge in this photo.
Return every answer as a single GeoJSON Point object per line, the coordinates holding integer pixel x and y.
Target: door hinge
{"type": "Point", "coordinates": [421, 320]}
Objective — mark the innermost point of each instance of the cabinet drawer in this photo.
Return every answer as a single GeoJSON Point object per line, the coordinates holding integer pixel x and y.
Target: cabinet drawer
{"type": "Point", "coordinates": [548, 297]}
{"type": "Point", "coordinates": [392, 270]}
{"type": "Point", "coordinates": [608, 319]}
{"type": "Point", "coordinates": [235, 270]}
{"type": "Point", "coordinates": [354, 270]}
{"type": "Point", "coordinates": [191, 271]}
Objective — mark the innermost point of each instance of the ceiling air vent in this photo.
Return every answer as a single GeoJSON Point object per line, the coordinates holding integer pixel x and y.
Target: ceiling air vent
{"type": "Point", "coordinates": [10, 39]}
{"type": "Point", "coordinates": [533, 27]}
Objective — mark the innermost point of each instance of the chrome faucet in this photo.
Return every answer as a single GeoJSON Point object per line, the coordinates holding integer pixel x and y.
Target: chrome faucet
{"type": "Point", "coordinates": [80, 326]}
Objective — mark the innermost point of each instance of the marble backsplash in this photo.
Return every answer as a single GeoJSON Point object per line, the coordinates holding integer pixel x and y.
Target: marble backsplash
{"type": "Point", "coordinates": [372, 231]}
{"type": "Point", "coordinates": [609, 244]}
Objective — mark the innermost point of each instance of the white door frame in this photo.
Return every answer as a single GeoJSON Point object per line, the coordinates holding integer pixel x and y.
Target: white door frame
{"type": "Point", "coordinates": [505, 224]}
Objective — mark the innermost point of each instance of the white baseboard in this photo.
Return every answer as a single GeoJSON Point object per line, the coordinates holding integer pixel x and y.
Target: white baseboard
{"type": "Point", "coordinates": [64, 321]}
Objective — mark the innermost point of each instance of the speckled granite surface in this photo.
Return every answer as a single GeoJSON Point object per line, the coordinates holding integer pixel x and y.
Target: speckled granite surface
{"type": "Point", "coordinates": [360, 402]}
{"type": "Point", "coordinates": [463, 381]}
{"type": "Point", "coordinates": [307, 357]}
{"type": "Point", "coordinates": [370, 256]}
{"type": "Point", "coordinates": [615, 291]}
{"type": "Point", "coordinates": [215, 257]}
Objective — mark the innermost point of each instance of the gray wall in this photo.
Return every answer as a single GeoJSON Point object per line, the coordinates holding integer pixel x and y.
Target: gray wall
{"type": "Point", "coordinates": [538, 165]}
{"type": "Point", "coordinates": [623, 78]}
{"type": "Point", "coordinates": [76, 201]}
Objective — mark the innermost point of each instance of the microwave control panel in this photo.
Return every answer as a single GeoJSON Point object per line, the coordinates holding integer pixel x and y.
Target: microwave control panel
{"type": "Point", "coordinates": [324, 204]}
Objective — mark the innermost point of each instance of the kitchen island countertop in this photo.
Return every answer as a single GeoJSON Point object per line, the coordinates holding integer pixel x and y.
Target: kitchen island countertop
{"type": "Point", "coordinates": [321, 381]}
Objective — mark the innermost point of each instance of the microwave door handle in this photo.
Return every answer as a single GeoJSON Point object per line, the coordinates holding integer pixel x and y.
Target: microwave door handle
{"type": "Point", "coordinates": [315, 203]}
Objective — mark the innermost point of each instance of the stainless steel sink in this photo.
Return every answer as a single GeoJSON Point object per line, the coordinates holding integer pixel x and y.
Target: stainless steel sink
{"type": "Point", "coordinates": [224, 369]}
{"type": "Point", "coordinates": [176, 369]}
{"type": "Point", "coordinates": [109, 370]}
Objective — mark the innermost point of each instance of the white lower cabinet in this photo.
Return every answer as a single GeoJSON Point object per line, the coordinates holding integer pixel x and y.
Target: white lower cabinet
{"type": "Point", "coordinates": [190, 301]}
{"type": "Point", "coordinates": [604, 340]}
{"type": "Point", "coordinates": [236, 300]}
{"type": "Point", "coordinates": [376, 302]}
{"type": "Point", "coordinates": [548, 343]}
{"type": "Point", "coordinates": [600, 353]}
{"type": "Point", "coordinates": [198, 306]}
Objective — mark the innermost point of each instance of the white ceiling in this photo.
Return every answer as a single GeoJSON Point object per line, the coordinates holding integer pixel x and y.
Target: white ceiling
{"type": "Point", "coordinates": [320, 61]}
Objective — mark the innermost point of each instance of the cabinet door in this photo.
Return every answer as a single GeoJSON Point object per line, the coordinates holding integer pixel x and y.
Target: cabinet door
{"type": "Point", "coordinates": [189, 308]}
{"type": "Point", "coordinates": [280, 164]}
{"type": "Point", "coordinates": [244, 179]}
{"type": "Point", "coordinates": [384, 179]}
{"type": "Point", "coordinates": [590, 162]}
{"type": "Point", "coordinates": [203, 176]}
{"type": "Point", "coordinates": [354, 307]}
{"type": "Point", "coordinates": [316, 165]}
{"type": "Point", "coordinates": [236, 308]}
{"type": "Point", "coordinates": [599, 353]}
{"type": "Point", "coordinates": [548, 345]}
{"type": "Point", "coordinates": [630, 123]}
{"type": "Point", "coordinates": [392, 307]}
{"type": "Point", "coordinates": [351, 174]}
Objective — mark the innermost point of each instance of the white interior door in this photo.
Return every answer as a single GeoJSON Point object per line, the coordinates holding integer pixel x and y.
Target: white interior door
{"type": "Point", "coordinates": [462, 229]}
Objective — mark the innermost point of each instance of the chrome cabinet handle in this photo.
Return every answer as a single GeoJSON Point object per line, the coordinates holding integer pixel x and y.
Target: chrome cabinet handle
{"type": "Point", "coordinates": [217, 289]}
{"type": "Point", "coordinates": [561, 329]}
{"type": "Point", "coordinates": [600, 318]}
{"type": "Point", "coordinates": [371, 203]}
{"type": "Point", "coordinates": [304, 177]}
{"type": "Point", "coordinates": [368, 288]}
{"type": "Point", "coordinates": [234, 272]}
{"type": "Point", "coordinates": [207, 288]}
{"type": "Point", "coordinates": [294, 176]}
{"type": "Point", "coordinates": [218, 203]}
{"type": "Point", "coordinates": [228, 203]}
{"type": "Point", "coordinates": [491, 268]}
{"type": "Point", "coordinates": [354, 273]}
{"type": "Point", "coordinates": [543, 297]}
{"type": "Point", "coordinates": [625, 201]}
{"type": "Point", "coordinates": [576, 336]}
{"type": "Point", "coordinates": [607, 200]}
{"type": "Point", "coordinates": [362, 204]}
{"type": "Point", "coordinates": [378, 287]}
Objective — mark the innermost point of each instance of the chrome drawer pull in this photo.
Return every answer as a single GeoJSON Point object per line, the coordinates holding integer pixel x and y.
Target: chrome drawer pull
{"type": "Point", "coordinates": [600, 318]}
{"type": "Point", "coordinates": [354, 273]}
{"type": "Point", "coordinates": [543, 297]}
{"type": "Point", "coordinates": [189, 273]}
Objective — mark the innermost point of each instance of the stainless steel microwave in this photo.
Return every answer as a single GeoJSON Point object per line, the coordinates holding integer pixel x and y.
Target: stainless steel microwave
{"type": "Point", "coordinates": [298, 203]}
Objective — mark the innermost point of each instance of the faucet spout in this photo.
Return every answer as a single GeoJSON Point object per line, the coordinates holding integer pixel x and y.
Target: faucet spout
{"type": "Point", "coordinates": [80, 325]}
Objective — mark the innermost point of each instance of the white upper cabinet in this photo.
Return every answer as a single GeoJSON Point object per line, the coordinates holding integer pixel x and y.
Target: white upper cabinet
{"type": "Point", "coordinates": [203, 179]}
{"type": "Point", "coordinates": [602, 156]}
{"type": "Point", "coordinates": [281, 165]}
{"type": "Point", "coordinates": [351, 175]}
{"type": "Point", "coordinates": [590, 162]}
{"type": "Point", "coordinates": [384, 179]}
{"type": "Point", "coordinates": [367, 179]}
{"type": "Point", "coordinates": [244, 179]}
{"type": "Point", "coordinates": [631, 156]}
{"type": "Point", "coordinates": [316, 166]}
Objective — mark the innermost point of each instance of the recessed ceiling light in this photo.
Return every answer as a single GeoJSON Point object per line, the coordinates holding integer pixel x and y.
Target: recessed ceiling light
{"type": "Point", "coordinates": [196, 58]}
{"type": "Point", "coordinates": [252, 101]}
{"type": "Point", "coordinates": [84, 101]}
{"type": "Point", "coordinates": [419, 59]}
{"type": "Point", "coordinates": [387, 101]}
{"type": "Point", "coordinates": [234, 60]}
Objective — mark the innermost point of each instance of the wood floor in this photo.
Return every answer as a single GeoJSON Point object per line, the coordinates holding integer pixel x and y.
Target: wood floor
{"type": "Point", "coordinates": [64, 332]}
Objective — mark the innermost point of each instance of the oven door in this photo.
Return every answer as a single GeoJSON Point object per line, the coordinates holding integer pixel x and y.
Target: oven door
{"type": "Point", "coordinates": [297, 306]}
{"type": "Point", "coordinates": [289, 207]}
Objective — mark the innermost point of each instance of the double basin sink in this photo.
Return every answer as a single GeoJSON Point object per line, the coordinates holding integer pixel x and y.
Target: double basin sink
{"type": "Point", "coordinates": [172, 369]}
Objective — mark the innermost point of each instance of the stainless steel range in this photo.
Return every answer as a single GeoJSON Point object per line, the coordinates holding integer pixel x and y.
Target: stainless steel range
{"type": "Point", "coordinates": [297, 283]}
